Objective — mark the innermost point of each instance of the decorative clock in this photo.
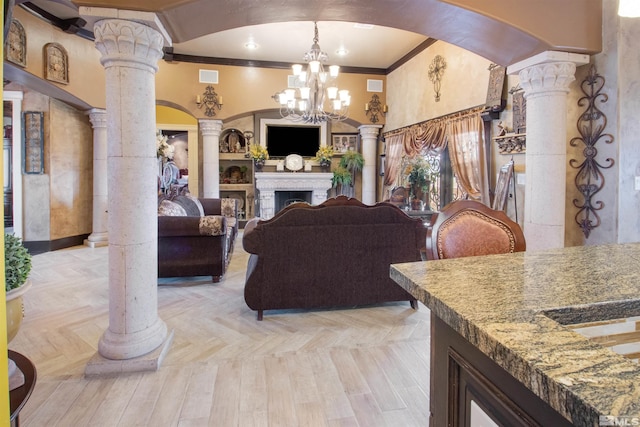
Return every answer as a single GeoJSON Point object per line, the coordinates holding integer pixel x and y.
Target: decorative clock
{"type": "Point", "coordinates": [294, 162]}
{"type": "Point", "coordinates": [436, 71]}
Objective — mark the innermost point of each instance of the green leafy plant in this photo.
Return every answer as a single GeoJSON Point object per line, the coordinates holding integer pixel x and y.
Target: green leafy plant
{"type": "Point", "coordinates": [17, 262]}
{"type": "Point", "coordinates": [341, 176]}
{"type": "Point", "coordinates": [352, 161]}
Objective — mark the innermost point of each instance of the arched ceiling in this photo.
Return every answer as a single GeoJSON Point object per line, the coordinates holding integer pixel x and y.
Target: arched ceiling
{"type": "Point", "coordinates": [503, 31]}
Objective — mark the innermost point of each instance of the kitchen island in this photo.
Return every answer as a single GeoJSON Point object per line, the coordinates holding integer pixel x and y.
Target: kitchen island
{"type": "Point", "coordinates": [501, 346]}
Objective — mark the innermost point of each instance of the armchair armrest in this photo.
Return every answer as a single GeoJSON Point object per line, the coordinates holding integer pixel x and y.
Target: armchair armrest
{"type": "Point", "coordinates": [251, 238]}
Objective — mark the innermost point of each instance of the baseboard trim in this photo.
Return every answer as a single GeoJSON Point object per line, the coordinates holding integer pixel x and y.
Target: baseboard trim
{"type": "Point", "coordinates": [42, 246]}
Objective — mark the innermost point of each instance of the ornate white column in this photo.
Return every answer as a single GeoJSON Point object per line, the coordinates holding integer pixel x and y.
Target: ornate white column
{"type": "Point", "coordinates": [210, 157]}
{"type": "Point", "coordinates": [130, 52]}
{"type": "Point", "coordinates": [369, 138]}
{"type": "Point", "coordinates": [99, 235]}
{"type": "Point", "coordinates": [545, 79]}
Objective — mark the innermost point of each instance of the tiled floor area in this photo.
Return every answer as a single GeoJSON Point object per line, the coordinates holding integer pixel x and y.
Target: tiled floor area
{"type": "Point", "coordinates": [344, 367]}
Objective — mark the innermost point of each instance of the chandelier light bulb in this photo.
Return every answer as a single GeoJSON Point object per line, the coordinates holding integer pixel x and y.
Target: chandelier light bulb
{"type": "Point", "coordinates": [302, 77]}
{"type": "Point", "coordinates": [290, 94]}
{"type": "Point", "coordinates": [344, 94]}
{"type": "Point", "coordinates": [303, 105]}
{"type": "Point", "coordinates": [629, 8]}
{"type": "Point", "coordinates": [314, 66]}
{"type": "Point", "coordinates": [297, 69]}
{"type": "Point", "coordinates": [332, 92]}
{"type": "Point", "coordinates": [334, 70]}
{"type": "Point", "coordinates": [337, 104]}
{"type": "Point", "coordinates": [304, 92]}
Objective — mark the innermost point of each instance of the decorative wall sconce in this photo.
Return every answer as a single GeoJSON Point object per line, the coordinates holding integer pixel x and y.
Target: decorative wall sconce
{"type": "Point", "coordinates": [436, 71]}
{"type": "Point", "coordinates": [375, 107]}
{"type": "Point", "coordinates": [210, 100]}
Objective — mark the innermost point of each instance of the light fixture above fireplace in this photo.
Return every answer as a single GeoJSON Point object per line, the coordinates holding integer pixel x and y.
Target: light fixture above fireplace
{"type": "Point", "coordinates": [305, 101]}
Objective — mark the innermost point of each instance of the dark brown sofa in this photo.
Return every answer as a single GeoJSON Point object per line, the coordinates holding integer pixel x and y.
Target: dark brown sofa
{"type": "Point", "coordinates": [196, 245]}
{"type": "Point", "coordinates": [334, 254]}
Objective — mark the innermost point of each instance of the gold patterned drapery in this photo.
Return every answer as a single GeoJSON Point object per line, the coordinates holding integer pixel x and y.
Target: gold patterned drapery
{"type": "Point", "coordinates": [462, 133]}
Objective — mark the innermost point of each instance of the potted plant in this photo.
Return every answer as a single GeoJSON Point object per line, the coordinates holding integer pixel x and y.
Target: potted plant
{"type": "Point", "coordinates": [341, 180]}
{"type": "Point", "coordinates": [353, 162]}
{"type": "Point", "coordinates": [259, 154]}
{"type": "Point", "coordinates": [324, 156]}
{"type": "Point", "coordinates": [17, 266]}
{"type": "Point", "coordinates": [419, 175]}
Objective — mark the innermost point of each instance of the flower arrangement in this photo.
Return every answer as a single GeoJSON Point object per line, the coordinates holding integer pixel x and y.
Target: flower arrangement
{"type": "Point", "coordinates": [164, 150]}
{"type": "Point", "coordinates": [258, 152]}
{"type": "Point", "coordinates": [418, 172]}
{"type": "Point", "coordinates": [324, 154]}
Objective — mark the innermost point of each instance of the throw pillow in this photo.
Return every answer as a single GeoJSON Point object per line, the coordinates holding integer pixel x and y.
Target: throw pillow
{"type": "Point", "coordinates": [197, 202]}
{"type": "Point", "coordinates": [228, 207]}
{"type": "Point", "coordinates": [169, 208]}
{"type": "Point", "coordinates": [188, 204]}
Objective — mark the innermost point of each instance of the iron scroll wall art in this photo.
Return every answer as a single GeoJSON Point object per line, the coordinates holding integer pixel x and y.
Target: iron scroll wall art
{"type": "Point", "coordinates": [589, 179]}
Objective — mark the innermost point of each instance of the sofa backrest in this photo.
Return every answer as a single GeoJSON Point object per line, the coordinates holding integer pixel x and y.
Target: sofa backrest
{"type": "Point", "coordinates": [338, 228]}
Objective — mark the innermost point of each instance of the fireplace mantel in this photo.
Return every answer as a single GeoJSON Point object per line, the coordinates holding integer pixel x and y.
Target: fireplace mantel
{"type": "Point", "coordinates": [267, 183]}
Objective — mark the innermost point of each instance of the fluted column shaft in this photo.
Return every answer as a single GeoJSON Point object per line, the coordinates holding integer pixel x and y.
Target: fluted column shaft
{"type": "Point", "coordinates": [369, 138]}
{"type": "Point", "coordinates": [130, 52]}
{"type": "Point", "coordinates": [99, 235]}
{"type": "Point", "coordinates": [546, 85]}
{"type": "Point", "coordinates": [210, 130]}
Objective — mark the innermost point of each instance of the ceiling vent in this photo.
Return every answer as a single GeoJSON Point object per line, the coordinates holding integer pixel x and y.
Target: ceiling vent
{"type": "Point", "coordinates": [209, 76]}
{"type": "Point", "coordinates": [374, 85]}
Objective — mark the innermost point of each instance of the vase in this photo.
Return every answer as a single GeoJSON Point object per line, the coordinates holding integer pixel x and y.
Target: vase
{"type": "Point", "coordinates": [421, 194]}
{"type": "Point", "coordinates": [325, 165]}
{"type": "Point", "coordinates": [15, 309]}
{"type": "Point", "coordinates": [259, 164]}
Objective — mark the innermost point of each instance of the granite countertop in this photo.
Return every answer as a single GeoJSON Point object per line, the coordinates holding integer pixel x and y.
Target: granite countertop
{"type": "Point", "coordinates": [514, 307]}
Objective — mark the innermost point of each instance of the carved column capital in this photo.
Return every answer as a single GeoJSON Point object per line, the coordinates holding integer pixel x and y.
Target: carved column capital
{"type": "Point", "coordinates": [128, 43]}
{"type": "Point", "coordinates": [370, 131]}
{"type": "Point", "coordinates": [98, 118]}
{"type": "Point", "coordinates": [210, 127]}
{"type": "Point", "coordinates": [547, 77]}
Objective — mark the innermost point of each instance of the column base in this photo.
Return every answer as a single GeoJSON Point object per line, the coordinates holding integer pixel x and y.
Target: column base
{"type": "Point", "coordinates": [101, 366]}
{"type": "Point", "coordinates": [91, 244]}
{"type": "Point", "coordinates": [96, 240]}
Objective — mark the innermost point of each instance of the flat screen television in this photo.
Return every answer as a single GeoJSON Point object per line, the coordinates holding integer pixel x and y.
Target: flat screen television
{"type": "Point", "coordinates": [285, 140]}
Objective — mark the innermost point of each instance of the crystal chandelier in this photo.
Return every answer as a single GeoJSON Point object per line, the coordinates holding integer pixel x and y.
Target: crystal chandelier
{"type": "Point", "coordinates": [306, 101]}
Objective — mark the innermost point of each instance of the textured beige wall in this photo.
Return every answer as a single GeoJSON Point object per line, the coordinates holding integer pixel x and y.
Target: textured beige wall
{"type": "Point", "coordinates": [70, 171]}
{"type": "Point", "coordinates": [411, 95]}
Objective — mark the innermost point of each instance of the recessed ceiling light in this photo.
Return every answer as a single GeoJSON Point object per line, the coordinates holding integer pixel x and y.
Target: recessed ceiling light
{"type": "Point", "coordinates": [251, 45]}
{"type": "Point", "coordinates": [363, 26]}
{"type": "Point", "coordinates": [342, 52]}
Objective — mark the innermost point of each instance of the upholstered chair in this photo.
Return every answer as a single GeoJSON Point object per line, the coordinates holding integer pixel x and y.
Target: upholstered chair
{"type": "Point", "coordinates": [469, 228]}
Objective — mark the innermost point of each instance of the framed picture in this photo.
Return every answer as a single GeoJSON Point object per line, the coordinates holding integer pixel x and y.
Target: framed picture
{"type": "Point", "coordinates": [33, 152]}
{"type": "Point", "coordinates": [343, 142]}
{"type": "Point", "coordinates": [502, 187]}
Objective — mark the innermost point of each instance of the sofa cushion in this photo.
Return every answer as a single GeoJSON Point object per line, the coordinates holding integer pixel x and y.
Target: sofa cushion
{"type": "Point", "coordinates": [169, 208]}
{"type": "Point", "coordinates": [212, 225]}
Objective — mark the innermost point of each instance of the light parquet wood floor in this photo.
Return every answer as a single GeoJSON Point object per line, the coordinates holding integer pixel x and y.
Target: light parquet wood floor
{"type": "Point", "coordinates": [344, 367]}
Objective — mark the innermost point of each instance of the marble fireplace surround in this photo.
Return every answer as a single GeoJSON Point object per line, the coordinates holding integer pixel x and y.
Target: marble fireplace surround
{"type": "Point", "coordinates": [267, 183]}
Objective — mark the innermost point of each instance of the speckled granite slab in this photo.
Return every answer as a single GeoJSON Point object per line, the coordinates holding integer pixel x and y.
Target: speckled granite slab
{"type": "Point", "coordinates": [514, 307]}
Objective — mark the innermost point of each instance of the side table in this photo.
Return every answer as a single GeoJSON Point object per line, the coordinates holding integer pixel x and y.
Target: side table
{"type": "Point", "coordinates": [19, 396]}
